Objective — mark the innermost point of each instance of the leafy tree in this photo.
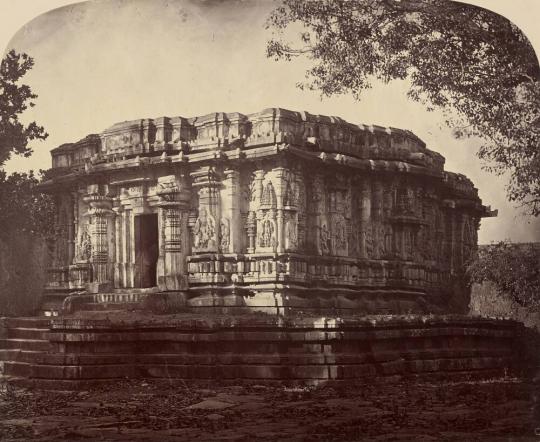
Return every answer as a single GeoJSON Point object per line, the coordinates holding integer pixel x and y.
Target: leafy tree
{"type": "Point", "coordinates": [24, 207]}
{"type": "Point", "coordinates": [14, 100]}
{"type": "Point", "coordinates": [513, 268]}
{"type": "Point", "coordinates": [456, 56]}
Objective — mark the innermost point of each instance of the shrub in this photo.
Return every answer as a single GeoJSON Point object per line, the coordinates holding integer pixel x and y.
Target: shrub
{"type": "Point", "coordinates": [513, 268]}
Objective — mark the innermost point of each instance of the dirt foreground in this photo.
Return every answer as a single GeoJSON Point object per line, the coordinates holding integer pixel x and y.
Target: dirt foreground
{"type": "Point", "coordinates": [501, 410]}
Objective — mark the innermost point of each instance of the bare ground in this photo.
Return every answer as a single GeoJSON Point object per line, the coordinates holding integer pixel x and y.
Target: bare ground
{"type": "Point", "coordinates": [501, 410]}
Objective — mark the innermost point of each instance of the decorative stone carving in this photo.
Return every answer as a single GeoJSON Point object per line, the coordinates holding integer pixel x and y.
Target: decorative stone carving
{"type": "Point", "coordinates": [268, 199]}
{"type": "Point", "coordinates": [291, 234]}
{"type": "Point", "coordinates": [324, 240]}
{"type": "Point", "coordinates": [85, 246]}
{"type": "Point", "coordinates": [368, 234]}
{"type": "Point", "coordinates": [339, 235]}
{"type": "Point", "coordinates": [276, 204]}
{"type": "Point", "coordinates": [251, 230]}
{"type": "Point", "coordinates": [267, 235]}
{"type": "Point", "coordinates": [204, 231]}
{"type": "Point", "coordinates": [225, 234]}
{"type": "Point", "coordinates": [99, 211]}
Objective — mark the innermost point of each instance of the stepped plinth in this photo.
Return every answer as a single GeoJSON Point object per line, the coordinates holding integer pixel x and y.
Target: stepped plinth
{"type": "Point", "coordinates": [91, 348]}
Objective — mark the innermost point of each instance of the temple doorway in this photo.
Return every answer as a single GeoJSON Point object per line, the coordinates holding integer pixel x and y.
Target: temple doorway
{"type": "Point", "coordinates": [146, 250]}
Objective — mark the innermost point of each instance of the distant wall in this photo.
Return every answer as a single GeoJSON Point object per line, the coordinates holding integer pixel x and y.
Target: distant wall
{"type": "Point", "coordinates": [487, 300]}
{"type": "Point", "coordinates": [23, 262]}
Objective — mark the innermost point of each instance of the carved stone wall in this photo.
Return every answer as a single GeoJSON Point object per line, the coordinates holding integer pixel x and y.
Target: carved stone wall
{"type": "Point", "coordinates": [275, 211]}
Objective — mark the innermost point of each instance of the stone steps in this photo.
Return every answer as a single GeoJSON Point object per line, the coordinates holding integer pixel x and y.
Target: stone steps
{"type": "Point", "coordinates": [84, 384]}
{"type": "Point", "coordinates": [26, 344]}
{"type": "Point", "coordinates": [109, 306]}
{"type": "Point", "coordinates": [250, 371]}
{"type": "Point", "coordinates": [26, 322]}
{"type": "Point", "coordinates": [28, 333]}
{"type": "Point", "coordinates": [18, 355]}
{"type": "Point", "coordinates": [55, 384]}
{"type": "Point", "coordinates": [252, 348]}
{"type": "Point", "coordinates": [46, 358]}
{"type": "Point", "coordinates": [22, 334]}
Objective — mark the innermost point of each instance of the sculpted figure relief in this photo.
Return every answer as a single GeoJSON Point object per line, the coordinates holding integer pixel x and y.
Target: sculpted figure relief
{"type": "Point", "coordinates": [339, 237]}
{"type": "Point", "coordinates": [324, 240]}
{"type": "Point", "coordinates": [425, 237]}
{"type": "Point", "coordinates": [291, 237]}
{"type": "Point", "coordinates": [369, 242]}
{"type": "Point", "coordinates": [317, 195]}
{"type": "Point", "coordinates": [204, 230]}
{"type": "Point", "coordinates": [267, 236]}
{"type": "Point", "coordinates": [225, 234]}
{"type": "Point", "coordinates": [388, 242]}
{"type": "Point", "coordinates": [85, 246]}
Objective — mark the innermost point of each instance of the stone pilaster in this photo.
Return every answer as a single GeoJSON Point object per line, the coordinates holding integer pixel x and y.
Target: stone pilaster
{"type": "Point", "coordinates": [231, 222]}
{"type": "Point", "coordinates": [119, 234]}
{"type": "Point", "coordinates": [377, 215]}
{"type": "Point", "coordinates": [321, 230]}
{"type": "Point", "coordinates": [251, 228]}
{"type": "Point", "coordinates": [129, 248]}
{"type": "Point", "coordinates": [301, 229]}
{"type": "Point", "coordinates": [100, 213]}
{"type": "Point", "coordinates": [280, 174]}
{"type": "Point", "coordinates": [174, 247]}
{"type": "Point", "coordinates": [365, 242]}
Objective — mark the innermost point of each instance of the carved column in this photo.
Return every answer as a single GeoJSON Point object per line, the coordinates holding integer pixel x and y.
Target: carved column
{"type": "Point", "coordinates": [251, 228]}
{"type": "Point", "coordinates": [450, 222]}
{"type": "Point", "coordinates": [80, 269]}
{"type": "Point", "coordinates": [377, 212]}
{"type": "Point", "coordinates": [365, 243]}
{"type": "Point", "coordinates": [257, 189]}
{"type": "Point", "coordinates": [254, 221]}
{"type": "Point", "coordinates": [460, 223]}
{"type": "Point", "coordinates": [302, 207]}
{"type": "Point", "coordinates": [72, 227]}
{"type": "Point", "coordinates": [387, 214]}
{"type": "Point", "coordinates": [322, 232]}
{"type": "Point", "coordinates": [174, 206]}
{"type": "Point", "coordinates": [231, 222]}
{"type": "Point", "coordinates": [280, 174]}
{"type": "Point", "coordinates": [119, 235]}
{"type": "Point", "coordinates": [128, 248]}
{"type": "Point", "coordinates": [100, 211]}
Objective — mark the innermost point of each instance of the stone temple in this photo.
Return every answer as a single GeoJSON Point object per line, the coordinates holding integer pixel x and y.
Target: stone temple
{"type": "Point", "coordinates": [273, 247]}
{"type": "Point", "coordinates": [277, 211]}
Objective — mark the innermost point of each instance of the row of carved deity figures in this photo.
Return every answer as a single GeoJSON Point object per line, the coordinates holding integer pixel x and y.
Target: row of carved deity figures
{"type": "Point", "coordinates": [283, 210]}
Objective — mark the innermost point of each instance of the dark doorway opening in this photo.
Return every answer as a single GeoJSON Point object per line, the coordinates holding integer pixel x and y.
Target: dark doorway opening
{"type": "Point", "coordinates": [146, 250]}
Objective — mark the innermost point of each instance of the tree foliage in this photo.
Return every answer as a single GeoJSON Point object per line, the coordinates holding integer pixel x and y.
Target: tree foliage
{"type": "Point", "coordinates": [15, 98]}
{"type": "Point", "coordinates": [24, 207]}
{"type": "Point", "coordinates": [513, 268]}
{"type": "Point", "coordinates": [457, 57]}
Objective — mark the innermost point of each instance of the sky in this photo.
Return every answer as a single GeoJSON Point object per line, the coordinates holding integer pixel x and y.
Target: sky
{"type": "Point", "coordinates": [105, 61]}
